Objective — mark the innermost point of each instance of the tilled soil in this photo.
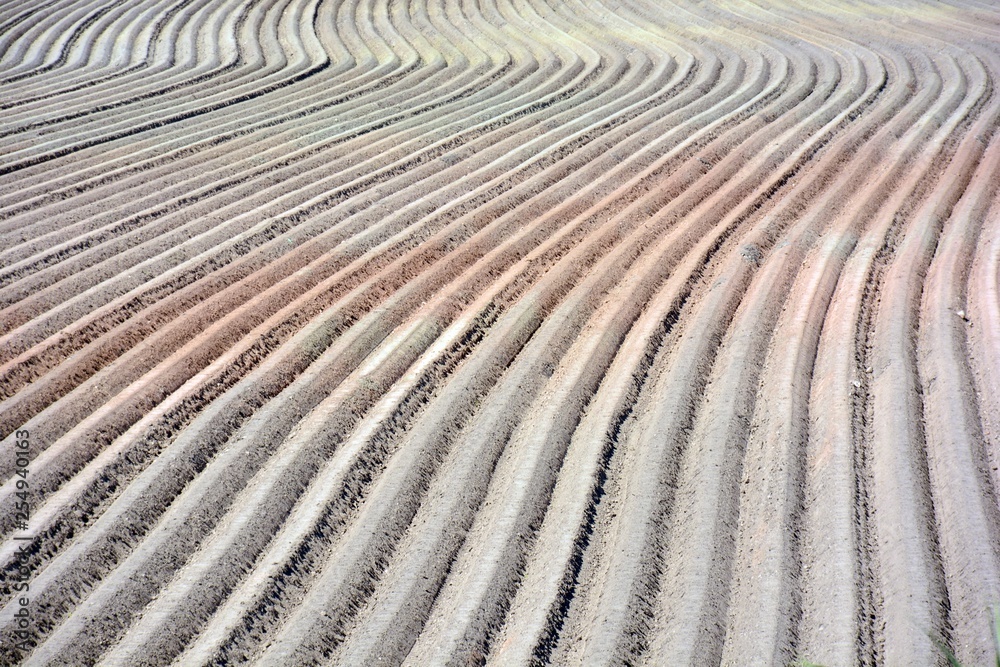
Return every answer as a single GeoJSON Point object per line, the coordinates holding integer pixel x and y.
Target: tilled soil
{"type": "Point", "coordinates": [516, 332]}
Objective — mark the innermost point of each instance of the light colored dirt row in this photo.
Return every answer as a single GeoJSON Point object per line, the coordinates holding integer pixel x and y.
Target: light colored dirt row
{"type": "Point", "coordinates": [140, 25]}
{"type": "Point", "coordinates": [314, 93]}
{"type": "Point", "coordinates": [593, 368]}
{"type": "Point", "coordinates": [982, 300]}
{"type": "Point", "coordinates": [830, 632]}
{"type": "Point", "coordinates": [57, 26]}
{"type": "Point", "coordinates": [956, 448]}
{"type": "Point", "coordinates": [515, 332]}
{"type": "Point", "coordinates": [261, 62]}
{"type": "Point", "coordinates": [599, 643]}
{"type": "Point", "coordinates": [103, 44]}
{"type": "Point", "coordinates": [909, 536]}
{"type": "Point", "coordinates": [390, 173]}
{"type": "Point", "coordinates": [825, 629]}
{"type": "Point", "coordinates": [766, 545]}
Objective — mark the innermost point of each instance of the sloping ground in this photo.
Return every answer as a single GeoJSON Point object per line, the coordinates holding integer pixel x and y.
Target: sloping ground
{"type": "Point", "coordinates": [509, 332]}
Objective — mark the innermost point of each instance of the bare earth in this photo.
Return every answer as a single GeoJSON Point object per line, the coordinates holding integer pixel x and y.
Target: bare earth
{"type": "Point", "coordinates": [507, 332]}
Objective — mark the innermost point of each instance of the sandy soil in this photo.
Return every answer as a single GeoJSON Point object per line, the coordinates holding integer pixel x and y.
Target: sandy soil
{"type": "Point", "coordinates": [506, 332]}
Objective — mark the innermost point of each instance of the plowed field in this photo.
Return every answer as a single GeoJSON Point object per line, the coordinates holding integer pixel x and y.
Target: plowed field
{"type": "Point", "coordinates": [506, 332]}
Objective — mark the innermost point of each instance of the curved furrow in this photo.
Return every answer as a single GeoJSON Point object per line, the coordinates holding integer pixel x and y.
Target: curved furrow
{"type": "Point", "coordinates": [243, 28]}
{"type": "Point", "coordinates": [53, 642]}
{"type": "Point", "coordinates": [772, 549]}
{"type": "Point", "coordinates": [250, 592]}
{"type": "Point", "coordinates": [914, 591]}
{"type": "Point", "coordinates": [354, 83]}
{"type": "Point", "coordinates": [183, 28]}
{"type": "Point", "coordinates": [599, 643]}
{"type": "Point", "coordinates": [305, 178]}
{"type": "Point", "coordinates": [116, 66]}
{"type": "Point", "coordinates": [612, 273]}
{"type": "Point", "coordinates": [958, 454]}
{"type": "Point", "coordinates": [504, 332]}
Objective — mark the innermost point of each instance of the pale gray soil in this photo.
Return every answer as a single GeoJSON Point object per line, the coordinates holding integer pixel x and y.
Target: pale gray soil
{"type": "Point", "coordinates": [507, 332]}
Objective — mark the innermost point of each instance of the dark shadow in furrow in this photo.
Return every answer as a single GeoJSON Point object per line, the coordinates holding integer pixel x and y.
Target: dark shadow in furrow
{"type": "Point", "coordinates": [162, 19]}
{"type": "Point", "coordinates": [99, 178]}
{"type": "Point", "coordinates": [354, 189]}
{"type": "Point", "coordinates": [137, 222]}
{"type": "Point", "coordinates": [869, 596]}
{"type": "Point", "coordinates": [560, 609]}
{"type": "Point", "coordinates": [184, 87]}
{"type": "Point", "coordinates": [374, 459]}
{"type": "Point", "coordinates": [78, 31]}
{"type": "Point", "coordinates": [192, 152]}
{"type": "Point", "coordinates": [285, 591]}
{"type": "Point", "coordinates": [231, 67]}
{"type": "Point", "coordinates": [21, 374]}
{"type": "Point", "coordinates": [583, 141]}
{"type": "Point", "coordinates": [546, 648]}
{"type": "Point", "coordinates": [89, 143]}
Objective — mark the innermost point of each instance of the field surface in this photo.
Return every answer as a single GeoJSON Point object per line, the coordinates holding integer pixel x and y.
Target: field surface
{"type": "Point", "coordinates": [506, 332]}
